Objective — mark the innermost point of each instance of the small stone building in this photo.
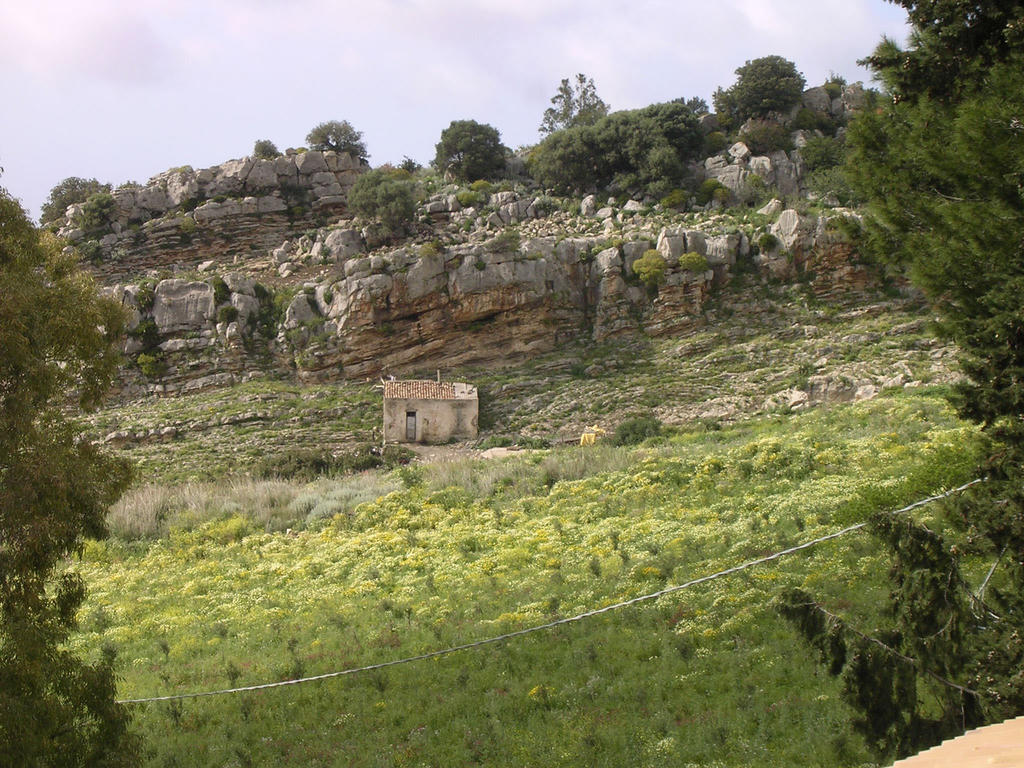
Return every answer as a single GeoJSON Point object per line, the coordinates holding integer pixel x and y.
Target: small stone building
{"type": "Point", "coordinates": [429, 411]}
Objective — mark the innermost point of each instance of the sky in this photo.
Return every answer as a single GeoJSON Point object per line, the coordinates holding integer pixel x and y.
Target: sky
{"type": "Point", "coordinates": [121, 90]}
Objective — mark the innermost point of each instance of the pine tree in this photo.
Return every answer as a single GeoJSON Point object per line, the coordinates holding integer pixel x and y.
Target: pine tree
{"type": "Point", "coordinates": [942, 169]}
{"type": "Point", "coordinates": [573, 105]}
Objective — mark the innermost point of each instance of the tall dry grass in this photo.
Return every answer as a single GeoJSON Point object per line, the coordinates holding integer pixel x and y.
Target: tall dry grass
{"type": "Point", "coordinates": [151, 511]}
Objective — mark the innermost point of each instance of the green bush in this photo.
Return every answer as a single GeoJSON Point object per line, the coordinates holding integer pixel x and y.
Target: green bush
{"type": "Point", "coordinates": [832, 181]}
{"type": "Point", "coordinates": [152, 366]}
{"type": "Point", "coordinates": [264, 149]}
{"type": "Point", "coordinates": [651, 268]}
{"type": "Point", "coordinates": [146, 333]}
{"type": "Point", "coordinates": [765, 85]}
{"type": "Point", "coordinates": [431, 249]}
{"type": "Point", "coordinates": [644, 149]}
{"type": "Point", "coordinates": [309, 463]}
{"type": "Point", "coordinates": [385, 195]}
{"type": "Point", "coordinates": [767, 242]}
{"type": "Point", "coordinates": [295, 464]}
{"type": "Point", "coordinates": [221, 292]}
{"type": "Point", "coordinates": [482, 186]}
{"type": "Point", "coordinates": [823, 152]}
{"type": "Point", "coordinates": [227, 314]}
{"type": "Point", "coordinates": [834, 86]}
{"type": "Point", "coordinates": [693, 262]}
{"type": "Point", "coordinates": [506, 241]}
{"type": "Point", "coordinates": [677, 198]}
{"type": "Point", "coordinates": [754, 191]}
{"type": "Point", "coordinates": [338, 137]}
{"type": "Point", "coordinates": [470, 150]}
{"type": "Point", "coordinates": [809, 120]}
{"type": "Point", "coordinates": [97, 215]}
{"type": "Point", "coordinates": [766, 136]}
{"type": "Point", "coordinates": [470, 199]}
{"type": "Point", "coordinates": [715, 142]}
{"type": "Point", "coordinates": [90, 251]}
{"type": "Point", "coordinates": [71, 190]}
{"type": "Point", "coordinates": [707, 190]}
{"type": "Point", "coordinates": [635, 430]}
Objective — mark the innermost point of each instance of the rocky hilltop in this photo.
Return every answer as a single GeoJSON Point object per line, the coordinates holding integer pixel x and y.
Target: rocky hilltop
{"type": "Point", "coordinates": [257, 266]}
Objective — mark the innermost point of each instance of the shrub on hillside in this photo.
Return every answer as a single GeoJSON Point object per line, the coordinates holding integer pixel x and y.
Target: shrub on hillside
{"type": "Point", "coordinates": [635, 430]}
{"type": "Point", "coordinates": [651, 268]}
{"type": "Point", "coordinates": [505, 242]}
{"type": "Point", "coordinates": [385, 194]}
{"type": "Point", "coordinates": [693, 262]}
{"type": "Point", "coordinates": [469, 199]}
{"type": "Point", "coordinates": [642, 149]}
{"type": "Point", "coordinates": [707, 190]}
{"type": "Point", "coordinates": [823, 152]}
{"type": "Point", "coordinates": [227, 314]}
{"type": "Point", "coordinates": [71, 190]}
{"type": "Point", "coordinates": [96, 215]}
{"type": "Point", "coordinates": [470, 150]}
{"type": "Point", "coordinates": [265, 149]}
{"type": "Point", "coordinates": [715, 142]}
{"type": "Point", "coordinates": [767, 242]}
{"type": "Point", "coordinates": [832, 182]}
{"type": "Point", "coordinates": [309, 463]}
{"type": "Point", "coordinates": [767, 136]}
{"type": "Point", "coordinates": [677, 198]}
{"type": "Point", "coordinates": [765, 85]}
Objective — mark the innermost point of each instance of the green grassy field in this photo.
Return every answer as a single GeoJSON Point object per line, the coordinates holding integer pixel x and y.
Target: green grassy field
{"type": "Point", "coordinates": [381, 567]}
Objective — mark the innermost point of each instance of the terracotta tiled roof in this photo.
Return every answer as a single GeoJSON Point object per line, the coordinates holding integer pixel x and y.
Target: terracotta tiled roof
{"type": "Point", "coordinates": [428, 390]}
{"type": "Point", "coordinates": [1001, 744]}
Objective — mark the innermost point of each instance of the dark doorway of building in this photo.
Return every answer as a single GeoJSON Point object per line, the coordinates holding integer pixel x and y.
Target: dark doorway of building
{"type": "Point", "coordinates": [410, 426]}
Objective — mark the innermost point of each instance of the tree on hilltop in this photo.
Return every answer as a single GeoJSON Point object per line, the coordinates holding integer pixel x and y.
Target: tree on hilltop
{"type": "Point", "coordinates": [765, 85]}
{"type": "Point", "coordinates": [573, 104]}
{"type": "Point", "coordinates": [71, 190]}
{"type": "Point", "coordinates": [388, 195]}
{"type": "Point", "coordinates": [337, 136]}
{"type": "Point", "coordinates": [470, 150]}
{"type": "Point", "coordinates": [265, 149]}
{"type": "Point", "coordinates": [57, 345]}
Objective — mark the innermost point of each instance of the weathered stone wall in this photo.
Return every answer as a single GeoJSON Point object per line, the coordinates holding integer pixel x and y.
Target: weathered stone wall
{"type": "Point", "coordinates": [437, 421]}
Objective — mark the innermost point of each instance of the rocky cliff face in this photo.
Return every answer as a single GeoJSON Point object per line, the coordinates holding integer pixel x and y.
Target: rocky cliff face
{"type": "Point", "coordinates": [255, 266]}
{"type": "Point", "coordinates": [234, 211]}
{"type": "Point", "coordinates": [344, 312]}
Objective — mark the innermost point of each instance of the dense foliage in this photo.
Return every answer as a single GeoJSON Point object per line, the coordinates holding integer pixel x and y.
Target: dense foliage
{"type": "Point", "coordinates": [954, 42]}
{"type": "Point", "coordinates": [387, 195]}
{"type": "Point", "coordinates": [574, 104]}
{"type": "Point", "coordinates": [96, 215]}
{"type": "Point", "coordinates": [942, 169]}
{"type": "Point", "coordinates": [72, 190]}
{"type": "Point", "coordinates": [643, 149]}
{"type": "Point", "coordinates": [763, 86]}
{"type": "Point", "coordinates": [469, 150]}
{"type": "Point", "coordinates": [56, 341]}
{"type": "Point", "coordinates": [338, 137]}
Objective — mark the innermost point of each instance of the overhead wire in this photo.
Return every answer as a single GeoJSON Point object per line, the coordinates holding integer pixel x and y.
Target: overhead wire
{"type": "Point", "coordinates": [551, 624]}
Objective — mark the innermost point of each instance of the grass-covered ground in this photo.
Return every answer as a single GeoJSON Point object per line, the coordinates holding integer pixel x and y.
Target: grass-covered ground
{"type": "Point", "coordinates": [381, 567]}
{"type": "Point", "coordinates": [759, 342]}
